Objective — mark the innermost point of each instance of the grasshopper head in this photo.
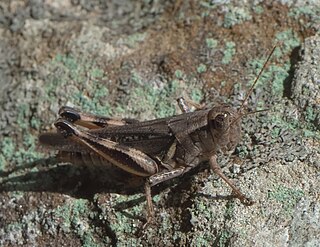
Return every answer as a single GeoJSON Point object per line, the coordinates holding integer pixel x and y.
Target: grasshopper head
{"type": "Point", "coordinates": [225, 127]}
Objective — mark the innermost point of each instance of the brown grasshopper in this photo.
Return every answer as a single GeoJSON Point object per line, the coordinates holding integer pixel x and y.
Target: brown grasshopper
{"type": "Point", "coordinates": [159, 149]}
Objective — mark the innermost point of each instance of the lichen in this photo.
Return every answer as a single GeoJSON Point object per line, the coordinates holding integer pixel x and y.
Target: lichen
{"type": "Point", "coordinates": [288, 197]}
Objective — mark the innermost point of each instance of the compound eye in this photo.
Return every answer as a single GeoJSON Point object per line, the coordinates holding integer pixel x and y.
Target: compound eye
{"type": "Point", "coordinates": [219, 121]}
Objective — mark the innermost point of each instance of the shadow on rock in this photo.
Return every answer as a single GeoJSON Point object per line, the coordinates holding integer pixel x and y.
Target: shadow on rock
{"type": "Point", "coordinates": [47, 175]}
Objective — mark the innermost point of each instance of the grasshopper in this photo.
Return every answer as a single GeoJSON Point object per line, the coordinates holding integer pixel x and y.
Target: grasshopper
{"type": "Point", "coordinates": [157, 150]}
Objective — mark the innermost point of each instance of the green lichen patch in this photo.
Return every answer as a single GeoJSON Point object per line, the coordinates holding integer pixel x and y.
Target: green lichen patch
{"type": "Point", "coordinates": [273, 76]}
{"type": "Point", "coordinates": [288, 197]}
{"type": "Point", "coordinates": [133, 39]}
{"type": "Point", "coordinates": [224, 238]}
{"type": "Point", "coordinates": [201, 68]}
{"type": "Point", "coordinates": [124, 220]}
{"type": "Point", "coordinates": [311, 11]}
{"type": "Point", "coordinates": [288, 40]}
{"type": "Point", "coordinates": [211, 43]}
{"type": "Point", "coordinates": [258, 9]}
{"type": "Point", "coordinates": [229, 52]}
{"type": "Point", "coordinates": [78, 82]}
{"type": "Point", "coordinates": [151, 99]}
{"type": "Point", "coordinates": [74, 216]}
{"type": "Point", "coordinates": [178, 74]}
{"type": "Point", "coordinates": [158, 98]}
{"type": "Point", "coordinates": [236, 15]}
{"type": "Point", "coordinates": [281, 124]}
{"type": "Point", "coordinates": [19, 154]}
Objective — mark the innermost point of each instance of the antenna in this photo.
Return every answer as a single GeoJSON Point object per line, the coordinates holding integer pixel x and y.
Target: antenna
{"type": "Point", "coordinates": [257, 78]}
{"type": "Point", "coordinates": [251, 89]}
{"type": "Point", "coordinates": [246, 114]}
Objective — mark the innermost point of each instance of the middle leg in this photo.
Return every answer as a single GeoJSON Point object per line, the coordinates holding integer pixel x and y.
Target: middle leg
{"type": "Point", "coordinates": [184, 105]}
